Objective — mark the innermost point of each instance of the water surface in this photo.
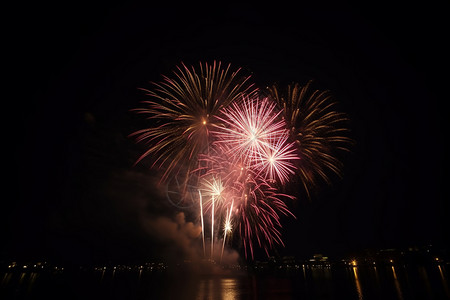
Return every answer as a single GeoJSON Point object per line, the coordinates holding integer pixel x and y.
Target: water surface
{"type": "Point", "coordinates": [361, 283]}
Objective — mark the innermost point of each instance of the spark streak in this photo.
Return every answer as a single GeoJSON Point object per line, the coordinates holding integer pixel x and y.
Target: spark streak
{"type": "Point", "coordinates": [226, 228]}
{"type": "Point", "coordinates": [212, 227]}
{"type": "Point", "coordinates": [201, 218]}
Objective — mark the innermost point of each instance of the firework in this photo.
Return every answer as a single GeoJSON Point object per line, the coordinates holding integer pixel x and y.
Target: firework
{"type": "Point", "coordinates": [251, 201]}
{"type": "Point", "coordinates": [214, 189]}
{"type": "Point", "coordinates": [249, 126]}
{"type": "Point", "coordinates": [182, 110]}
{"type": "Point", "coordinates": [210, 127]}
{"type": "Point", "coordinates": [318, 128]}
{"type": "Point", "coordinates": [227, 227]}
{"type": "Point", "coordinates": [200, 201]}
{"type": "Point", "coordinates": [276, 159]}
{"type": "Point", "coordinates": [259, 212]}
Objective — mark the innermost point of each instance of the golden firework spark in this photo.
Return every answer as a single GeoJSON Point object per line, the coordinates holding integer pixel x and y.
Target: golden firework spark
{"type": "Point", "coordinates": [182, 110]}
{"type": "Point", "coordinates": [318, 128]}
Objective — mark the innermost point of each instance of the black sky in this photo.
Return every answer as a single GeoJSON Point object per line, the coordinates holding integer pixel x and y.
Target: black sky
{"type": "Point", "coordinates": [74, 72]}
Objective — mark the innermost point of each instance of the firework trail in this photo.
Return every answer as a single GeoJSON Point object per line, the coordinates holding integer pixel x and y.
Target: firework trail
{"type": "Point", "coordinates": [248, 199]}
{"type": "Point", "coordinates": [226, 228]}
{"type": "Point", "coordinates": [212, 128]}
{"type": "Point", "coordinates": [212, 227]}
{"type": "Point", "coordinates": [213, 188]}
{"type": "Point", "coordinates": [200, 201]}
{"type": "Point", "coordinates": [259, 215]}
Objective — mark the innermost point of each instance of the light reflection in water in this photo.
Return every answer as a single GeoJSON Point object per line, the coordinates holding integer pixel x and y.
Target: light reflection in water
{"type": "Point", "coordinates": [140, 276]}
{"type": "Point", "coordinates": [201, 290]}
{"type": "Point", "coordinates": [6, 279]}
{"type": "Point", "coordinates": [397, 284]}
{"type": "Point", "coordinates": [358, 284]}
{"type": "Point", "coordinates": [31, 280]}
{"type": "Point", "coordinates": [22, 277]}
{"type": "Point", "coordinates": [444, 281]}
{"type": "Point", "coordinates": [355, 282]}
{"type": "Point", "coordinates": [229, 288]}
{"type": "Point", "coordinates": [218, 288]}
{"type": "Point", "coordinates": [377, 277]}
{"type": "Point", "coordinates": [424, 275]}
{"type": "Point", "coordinates": [212, 288]}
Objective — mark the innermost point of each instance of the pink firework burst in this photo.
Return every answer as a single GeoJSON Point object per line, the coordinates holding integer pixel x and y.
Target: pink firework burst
{"type": "Point", "coordinates": [248, 127]}
{"type": "Point", "coordinates": [211, 132]}
{"type": "Point", "coordinates": [257, 206]}
{"type": "Point", "coordinates": [276, 159]}
{"type": "Point", "coordinates": [259, 213]}
{"type": "Point", "coordinates": [257, 138]}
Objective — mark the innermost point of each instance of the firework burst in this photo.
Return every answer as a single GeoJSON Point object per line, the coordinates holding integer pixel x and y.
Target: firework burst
{"type": "Point", "coordinates": [249, 128]}
{"type": "Point", "coordinates": [210, 127]}
{"type": "Point", "coordinates": [183, 110]}
{"type": "Point", "coordinates": [276, 159]}
{"type": "Point", "coordinates": [317, 127]}
{"type": "Point", "coordinates": [250, 204]}
{"type": "Point", "coordinates": [259, 212]}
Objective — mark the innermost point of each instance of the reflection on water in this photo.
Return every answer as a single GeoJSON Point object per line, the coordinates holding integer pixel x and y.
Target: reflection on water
{"type": "Point", "coordinates": [444, 281]}
{"type": "Point", "coordinates": [358, 284]}
{"type": "Point", "coordinates": [355, 282]}
{"type": "Point", "coordinates": [397, 284]}
{"type": "Point", "coordinates": [32, 280]}
{"type": "Point", "coordinates": [377, 278]}
{"type": "Point", "coordinates": [424, 277]}
{"type": "Point", "coordinates": [6, 278]}
{"type": "Point", "coordinates": [140, 275]}
{"type": "Point", "coordinates": [229, 287]}
{"type": "Point", "coordinates": [218, 288]}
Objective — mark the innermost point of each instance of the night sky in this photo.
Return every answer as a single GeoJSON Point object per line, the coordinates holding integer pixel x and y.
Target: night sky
{"type": "Point", "coordinates": [72, 192]}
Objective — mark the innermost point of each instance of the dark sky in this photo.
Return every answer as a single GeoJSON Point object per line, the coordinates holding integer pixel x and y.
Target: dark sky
{"type": "Point", "coordinates": [74, 71]}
